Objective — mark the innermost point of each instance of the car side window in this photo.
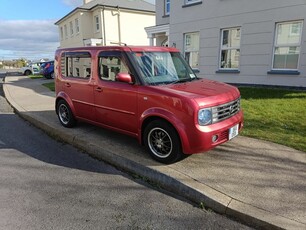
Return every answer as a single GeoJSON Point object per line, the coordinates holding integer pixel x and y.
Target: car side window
{"type": "Point", "coordinates": [76, 64]}
{"type": "Point", "coordinates": [110, 66]}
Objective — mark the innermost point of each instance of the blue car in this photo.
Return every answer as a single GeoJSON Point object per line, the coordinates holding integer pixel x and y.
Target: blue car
{"type": "Point", "coordinates": [48, 70]}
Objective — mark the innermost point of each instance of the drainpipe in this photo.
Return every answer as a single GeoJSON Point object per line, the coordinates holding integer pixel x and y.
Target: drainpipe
{"type": "Point", "coordinates": [104, 29]}
{"type": "Point", "coordinates": [119, 23]}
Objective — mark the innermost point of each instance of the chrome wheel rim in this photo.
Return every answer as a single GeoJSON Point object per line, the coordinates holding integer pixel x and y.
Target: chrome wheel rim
{"type": "Point", "coordinates": [160, 143]}
{"type": "Point", "coordinates": [63, 113]}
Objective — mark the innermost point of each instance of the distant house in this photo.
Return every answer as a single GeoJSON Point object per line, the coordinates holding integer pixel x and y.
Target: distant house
{"type": "Point", "coordinates": [106, 22]}
{"type": "Point", "coordinates": [237, 41]}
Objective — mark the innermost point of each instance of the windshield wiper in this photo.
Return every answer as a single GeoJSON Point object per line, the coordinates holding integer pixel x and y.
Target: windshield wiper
{"type": "Point", "coordinates": [182, 80]}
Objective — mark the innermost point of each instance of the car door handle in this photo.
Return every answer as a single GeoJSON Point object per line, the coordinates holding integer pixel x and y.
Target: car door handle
{"type": "Point", "coordinates": [99, 89]}
{"type": "Point", "coordinates": [67, 85]}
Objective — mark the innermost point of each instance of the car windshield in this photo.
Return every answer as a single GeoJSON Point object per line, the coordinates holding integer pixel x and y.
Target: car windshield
{"type": "Point", "coordinates": [163, 67]}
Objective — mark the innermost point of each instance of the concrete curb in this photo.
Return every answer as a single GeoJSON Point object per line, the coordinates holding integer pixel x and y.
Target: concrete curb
{"type": "Point", "coordinates": [167, 178]}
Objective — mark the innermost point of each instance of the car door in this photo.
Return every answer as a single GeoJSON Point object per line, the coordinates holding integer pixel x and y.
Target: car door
{"type": "Point", "coordinates": [78, 85]}
{"type": "Point", "coordinates": [115, 102]}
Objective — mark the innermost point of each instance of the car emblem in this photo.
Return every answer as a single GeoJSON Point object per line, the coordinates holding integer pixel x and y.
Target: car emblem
{"type": "Point", "coordinates": [231, 109]}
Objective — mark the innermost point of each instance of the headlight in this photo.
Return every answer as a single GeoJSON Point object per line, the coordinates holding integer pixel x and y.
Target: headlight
{"type": "Point", "coordinates": [204, 116]}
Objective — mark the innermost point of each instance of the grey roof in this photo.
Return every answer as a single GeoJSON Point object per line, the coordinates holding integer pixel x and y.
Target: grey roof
{"type": "Point", "coordinates": [123, 4]}
{"type": "Point", "coordinates": [127, 4]}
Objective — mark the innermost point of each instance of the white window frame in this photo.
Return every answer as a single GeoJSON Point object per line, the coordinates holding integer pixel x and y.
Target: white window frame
{"type": "Point", "coordinates": [222, 48]}
{"type": "Point", "coordinates": [71, 28]}
{"type": "Point", "coordinates": [194, 51]}
{"type": "Point", "coordinates": [62, 33]}
{"type": "Point", "coordinates": [167, 5]}
{"type": "Point", "coordinates": [287, 45]}
{"type": "Point", "coordinates": [97, 23]}
{"type": "Point", "coordinates": [77, 26]}
{"type": "Point", "coordinates": [66, 31]}
{"type": "Point", "coordinates": [191, 1]}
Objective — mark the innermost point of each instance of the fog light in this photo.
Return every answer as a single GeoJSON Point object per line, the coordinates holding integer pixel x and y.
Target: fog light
{"type": "Point", "coordinates": [214, 138]}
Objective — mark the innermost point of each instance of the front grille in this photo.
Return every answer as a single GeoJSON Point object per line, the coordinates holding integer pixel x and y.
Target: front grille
{"type": "Point", "coordinates": [222, 112]}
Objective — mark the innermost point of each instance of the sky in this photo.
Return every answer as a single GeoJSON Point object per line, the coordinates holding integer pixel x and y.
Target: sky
{"type": "Point", "coordinates": [27, 27]}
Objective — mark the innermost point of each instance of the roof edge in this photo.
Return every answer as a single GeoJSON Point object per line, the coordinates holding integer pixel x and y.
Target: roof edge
{"type": "Point", "coordinates": [103, 6]}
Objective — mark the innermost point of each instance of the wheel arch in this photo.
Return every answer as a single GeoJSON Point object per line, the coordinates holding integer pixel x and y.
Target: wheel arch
{"type": "Point", "coordinates": [170, 118]}
{"type": "Point", "coordinates": [63, 96]}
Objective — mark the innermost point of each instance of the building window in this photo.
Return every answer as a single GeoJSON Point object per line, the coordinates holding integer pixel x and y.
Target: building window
{"type": "Point", "coordinates": [71, 28]}
{"type": "Point", "coordinates": [62, 33]}
{"type": "Point", "coordinates": [287, 45]}
{"type": "Point", "coordinates": [191, 49]}
{"type": "Point", "coordinates": [167, 7]}
{"type": "Point", "coordinates": [65, 31]}
{"type": "Point", "coordinates": [230, 49]}
{"type": "Point", "coordinates": [77, 26]}
{"type": "Point", "coordinates": [97, 23]}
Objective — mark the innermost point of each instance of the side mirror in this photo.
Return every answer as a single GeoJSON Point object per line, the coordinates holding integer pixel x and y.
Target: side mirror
{"type": "Point", "coordinates": [124, 77]}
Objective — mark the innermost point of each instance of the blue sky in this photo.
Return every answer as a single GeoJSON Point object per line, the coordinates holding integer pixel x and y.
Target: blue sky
{"type": "Point", "coordinates": [36, 9]}
{"type": "Point", "coordinates": [27, 27]}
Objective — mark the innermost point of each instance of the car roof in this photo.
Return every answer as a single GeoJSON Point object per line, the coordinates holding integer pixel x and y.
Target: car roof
{"type": "Point", "coordinates": [121, 48]}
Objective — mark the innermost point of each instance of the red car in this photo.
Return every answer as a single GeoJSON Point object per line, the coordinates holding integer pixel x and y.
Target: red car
{"type": "Point", "coordinates": [150, 93]}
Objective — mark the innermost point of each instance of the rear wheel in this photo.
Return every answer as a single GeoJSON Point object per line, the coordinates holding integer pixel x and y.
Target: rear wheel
{"type": "Point", "coordinates": [65, 114]}
{"type": "Point", "coordinates": [27, 72]}
{"type": "Point", "coordinates": [162, 142]}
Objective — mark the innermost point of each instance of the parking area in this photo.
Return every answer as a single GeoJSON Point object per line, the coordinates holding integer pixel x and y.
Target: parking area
{"type": "Point", "coordinates": [255, 181]}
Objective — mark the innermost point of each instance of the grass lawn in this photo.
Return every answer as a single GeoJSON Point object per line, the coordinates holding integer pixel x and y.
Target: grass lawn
{"type": "Point", "coordinates": [275, 115]}
{"type": "Point", "coordinates": [35, 76]}
{"type": "Point", "coordinates": [50, 86]}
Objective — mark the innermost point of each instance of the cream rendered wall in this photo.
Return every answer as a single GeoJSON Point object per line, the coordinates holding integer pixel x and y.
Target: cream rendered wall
{"type": "Point", "coordinates": [77, 38]}
{"type": "Point", "coordinates": [257, 22]}
{"type": "Point", "coordinates": [86, 21]}
{"type": "Point", "coordinates": [132, 26]}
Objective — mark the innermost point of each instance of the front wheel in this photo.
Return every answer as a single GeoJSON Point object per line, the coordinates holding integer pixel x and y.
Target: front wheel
{"type": "Point", "coordinates": [49, 76]}
{"type": "Point", "coordinates": [162, 142]}
{"type": "Point", "coordinates": [65, 114]}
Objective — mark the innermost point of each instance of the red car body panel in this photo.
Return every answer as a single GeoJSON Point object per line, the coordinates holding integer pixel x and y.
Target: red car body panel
{"type": "Point", "coordinates": [127, 107]}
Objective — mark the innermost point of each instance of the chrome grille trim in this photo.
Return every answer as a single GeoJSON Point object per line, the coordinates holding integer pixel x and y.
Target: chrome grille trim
{"type": "Point", "coordinates": [225, 111]}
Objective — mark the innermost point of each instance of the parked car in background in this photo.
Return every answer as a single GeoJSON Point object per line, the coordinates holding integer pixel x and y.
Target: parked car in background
{"type": "Point", "coordinates": [31, 69]}
{"type": "Point", "coordinates": [42, 66]}
{"type": "Point", "coordinates": [48, 69]}
{"type": "Point", "coordinates": [150, 93]}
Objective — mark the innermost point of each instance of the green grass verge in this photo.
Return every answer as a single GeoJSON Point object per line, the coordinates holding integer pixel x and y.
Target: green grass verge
{"type": "Point", "coordinates": [50, 86]}
{"type": "Point", "coordinates": [276, 115]}
{"type": "Point", "coordinates": [35, 76]}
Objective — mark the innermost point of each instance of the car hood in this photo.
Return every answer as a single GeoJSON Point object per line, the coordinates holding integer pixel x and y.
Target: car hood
{"type": "Point", "coordinates": [204, 92]}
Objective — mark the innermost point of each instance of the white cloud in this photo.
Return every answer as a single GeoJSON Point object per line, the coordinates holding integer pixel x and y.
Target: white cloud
{"type": "Point", "coordinates": [30, 39]}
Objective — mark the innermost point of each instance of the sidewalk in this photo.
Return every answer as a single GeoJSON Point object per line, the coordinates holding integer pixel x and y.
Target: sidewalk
{"type": "Point", "coordinates": [259, 183]}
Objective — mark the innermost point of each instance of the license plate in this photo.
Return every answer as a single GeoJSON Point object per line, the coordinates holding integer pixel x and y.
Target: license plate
{"type": "Point", "coordinates": [233, 132]}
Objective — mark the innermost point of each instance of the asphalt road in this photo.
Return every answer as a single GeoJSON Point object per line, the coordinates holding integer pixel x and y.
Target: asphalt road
{"type": "Point", "coordinates": [45, 184]}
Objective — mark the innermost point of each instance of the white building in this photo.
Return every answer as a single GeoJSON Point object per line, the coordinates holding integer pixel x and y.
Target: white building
{"type": "Point", "coordinates": [237, 41]}
{"type": "Point", "coordinates": [106, 22]}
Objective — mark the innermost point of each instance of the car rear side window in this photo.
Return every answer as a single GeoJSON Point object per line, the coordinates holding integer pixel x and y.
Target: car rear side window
{"type": "Point", "coordinates": [76, 64]}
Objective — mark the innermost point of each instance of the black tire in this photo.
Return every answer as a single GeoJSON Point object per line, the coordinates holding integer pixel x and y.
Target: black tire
{"type": "Point", "coordinates": [65, 114]}
{"type": "Point", "coordinates": [49, 76]}
{"type": "Point", "coordinates": [162, 142]}
{"type": "Point", "coordinates": [27, 72]}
